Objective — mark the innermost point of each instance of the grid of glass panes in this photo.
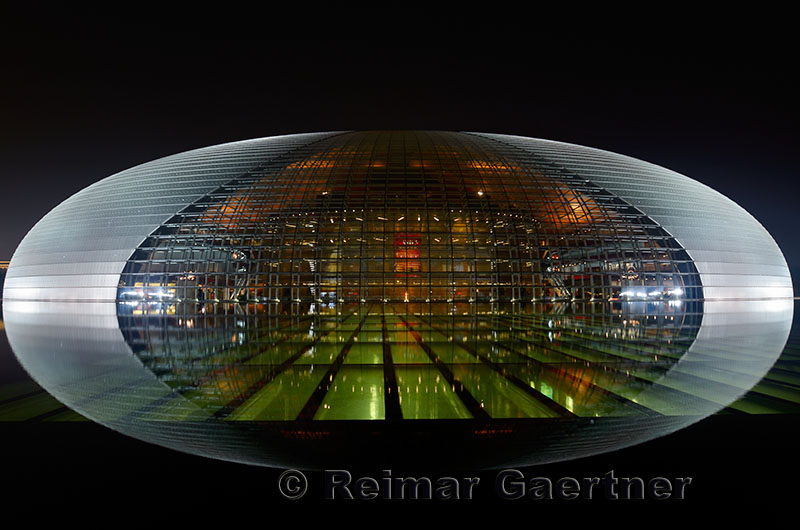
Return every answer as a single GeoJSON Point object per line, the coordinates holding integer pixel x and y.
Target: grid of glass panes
{"type": "Point", "coordinates": [410, 263]}
{"type": "Point", "coordinates": [438, 218]}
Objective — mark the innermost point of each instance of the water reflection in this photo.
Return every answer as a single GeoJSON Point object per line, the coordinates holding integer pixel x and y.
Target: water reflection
{"type": "Point", "coordinates": [307, 384]}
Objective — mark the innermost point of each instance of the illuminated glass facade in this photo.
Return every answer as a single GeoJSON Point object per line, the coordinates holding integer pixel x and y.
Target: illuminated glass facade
{"type": "Point", "coordinates": [242, 299]}
{"type": "Point", "coordinates": [433, 218]}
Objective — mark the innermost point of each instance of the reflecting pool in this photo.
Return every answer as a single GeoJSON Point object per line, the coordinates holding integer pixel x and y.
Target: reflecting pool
{"type": "Point", "coordinates": [458, 384]}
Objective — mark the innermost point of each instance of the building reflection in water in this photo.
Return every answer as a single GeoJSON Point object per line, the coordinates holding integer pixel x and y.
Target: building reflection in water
{"type": "Point", "coordinates": [310, 383]}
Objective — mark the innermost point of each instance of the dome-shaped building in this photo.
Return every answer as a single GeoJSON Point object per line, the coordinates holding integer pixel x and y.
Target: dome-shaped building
{"type": "Point", "coordinates": [286, 299]}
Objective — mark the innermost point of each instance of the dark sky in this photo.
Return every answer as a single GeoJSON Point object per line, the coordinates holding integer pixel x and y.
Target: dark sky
{"type": "Point", "coordinates": [83, 99]}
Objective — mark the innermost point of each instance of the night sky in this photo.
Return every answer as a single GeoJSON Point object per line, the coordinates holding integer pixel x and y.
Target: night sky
{"type": "Point", "coordinates": [78, 103]}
